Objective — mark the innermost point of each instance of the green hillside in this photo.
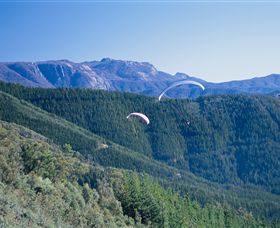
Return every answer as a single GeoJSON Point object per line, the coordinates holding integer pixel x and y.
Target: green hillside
{"type": "Point", "coordinates": [100, 111]}
{"type": "Point", "coordinates": [63, 132]}
{"type": "Point", "coordinates": [229, 139]}
{"type": "Point", "coordinates": [41, 186]}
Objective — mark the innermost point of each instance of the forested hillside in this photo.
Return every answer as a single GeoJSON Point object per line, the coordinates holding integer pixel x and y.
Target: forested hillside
{"type": "Point", "coordinates": [208, 146]}
{"type": "Point", "coordinates": [225, 139]}
{"type": "Point", "coordinates": [41, 185]}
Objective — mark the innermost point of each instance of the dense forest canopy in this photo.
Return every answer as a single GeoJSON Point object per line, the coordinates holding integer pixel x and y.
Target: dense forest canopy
{"type": "Point", "coordinates": [225, 139]}
{"type": "Point", "coordinates": [41, 185]}
{"type": "Point", "coordinates": [217, 149]}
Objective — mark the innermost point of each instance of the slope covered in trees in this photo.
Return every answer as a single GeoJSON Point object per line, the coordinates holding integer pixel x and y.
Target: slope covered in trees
{"type": "Point", "coordinates": [206, 146]}
{"type": "Point", "coordinates": [226, 139]}
{"type": "Point", "coordinates": [41, 185]}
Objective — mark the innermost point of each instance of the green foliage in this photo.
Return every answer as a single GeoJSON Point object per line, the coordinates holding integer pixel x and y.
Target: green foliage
{"type": "Point", "coordinates": [232, 140]}
{"type": "Point", "coordinates": [38, 186]}
{"type": "Point", "coordinates": [146, 201]}
{"type": "Point", "coordinates": [229, 139]}
{"type": "Point", "coordinates": [44, 187]}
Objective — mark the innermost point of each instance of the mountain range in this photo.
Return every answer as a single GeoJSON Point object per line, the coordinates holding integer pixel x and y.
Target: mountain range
{"type": "Point", "coordinates": [125, 76]}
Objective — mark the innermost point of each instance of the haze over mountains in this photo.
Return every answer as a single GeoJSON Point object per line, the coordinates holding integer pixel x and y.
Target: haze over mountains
{"type": "Point", "coordinates": [126, 76]}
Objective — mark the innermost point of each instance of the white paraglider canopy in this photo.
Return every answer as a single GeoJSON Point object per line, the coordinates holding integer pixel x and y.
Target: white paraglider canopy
{"type": "Point", "coordinates": [141, 115]}
{"type": "Point", "coordinates": [178, 83]}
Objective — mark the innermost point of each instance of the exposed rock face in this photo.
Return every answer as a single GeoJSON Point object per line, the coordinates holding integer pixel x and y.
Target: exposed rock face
{"type": "Point", "coordinates": [127, 76]}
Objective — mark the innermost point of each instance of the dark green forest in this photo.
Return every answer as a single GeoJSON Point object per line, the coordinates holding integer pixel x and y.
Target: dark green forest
{"type": "Point", "coordinates": [43, 186]}
{"type": "Point", "coordinates": [230, 138]}
{"type": "Point", "coordinates": [219, 152]}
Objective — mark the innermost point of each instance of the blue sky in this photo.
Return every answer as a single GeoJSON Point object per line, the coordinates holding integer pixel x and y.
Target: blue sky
{"type": "Point", "coordinates": [216, 41]}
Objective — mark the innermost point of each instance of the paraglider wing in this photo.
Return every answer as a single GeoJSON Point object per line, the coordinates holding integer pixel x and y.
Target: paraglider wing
{"type": "Point", "coordinates": [178, 83]}
{"type": "Point", "coordinates": [142, 116]}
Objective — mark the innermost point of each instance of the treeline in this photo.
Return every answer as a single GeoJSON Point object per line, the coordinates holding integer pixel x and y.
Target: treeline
{"type": "Point", "coordinates": [41, 185]}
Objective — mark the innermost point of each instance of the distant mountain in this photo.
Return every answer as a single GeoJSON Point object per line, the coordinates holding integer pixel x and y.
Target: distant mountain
{"type": "Point", "coordinates": [127, 76]}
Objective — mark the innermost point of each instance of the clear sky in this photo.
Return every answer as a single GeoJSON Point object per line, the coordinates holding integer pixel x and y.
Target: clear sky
{"type": "Point", "coordinates": [216, 41]}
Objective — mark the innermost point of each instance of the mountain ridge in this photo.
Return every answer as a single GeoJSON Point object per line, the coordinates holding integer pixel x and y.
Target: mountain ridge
{"type": "Point", "coordinates": [124, 76]}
